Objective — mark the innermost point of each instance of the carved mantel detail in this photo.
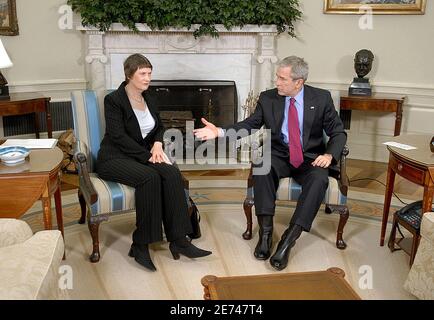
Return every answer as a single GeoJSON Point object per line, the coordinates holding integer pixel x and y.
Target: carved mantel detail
{"type": "Point", "coordinates": [253, 49]}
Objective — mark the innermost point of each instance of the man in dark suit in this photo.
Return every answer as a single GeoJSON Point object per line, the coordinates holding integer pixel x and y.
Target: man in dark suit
{"type": "Point", "coordinates": [297, 115]}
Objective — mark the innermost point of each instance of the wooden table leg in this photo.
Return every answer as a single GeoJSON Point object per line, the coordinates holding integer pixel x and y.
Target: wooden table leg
{"type": "Point", "coordinates": [392, 237]}
{"type": "Point", "coordinates": [414, 246]}
{"type": "Point", "coordinates": [427, 199]}
{"type": "Point", "coordinates": [46, 206]}
{"type": "Point", "coordinates": [37, 126]}
{"type": "Point", "coordinates": [398, 119]}
{"type": "Point", "coordinates": [49, 122]}
{"type": "Point", "coordinates": [387, 198]}
{"type": "Point", "coordinates": [59, 214]}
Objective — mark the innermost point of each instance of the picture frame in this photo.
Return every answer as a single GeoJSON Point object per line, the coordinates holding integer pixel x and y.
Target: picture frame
{"type": "Point", "coordinates": [8, 18]}
{"type": "Point", "coordinates": [377, 6]}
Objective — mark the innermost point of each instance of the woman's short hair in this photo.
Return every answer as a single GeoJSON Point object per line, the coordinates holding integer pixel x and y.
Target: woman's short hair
{"type": "Point", "coordinates": [133, 63]}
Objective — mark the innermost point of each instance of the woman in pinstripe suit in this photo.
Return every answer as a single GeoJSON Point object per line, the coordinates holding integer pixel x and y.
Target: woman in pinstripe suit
{"type": "Point", "coordinates": [131, 153]}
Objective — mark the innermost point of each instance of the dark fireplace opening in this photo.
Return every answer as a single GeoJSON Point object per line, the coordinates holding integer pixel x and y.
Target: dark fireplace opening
{"type": "Point", "coordinates": [190, 100]}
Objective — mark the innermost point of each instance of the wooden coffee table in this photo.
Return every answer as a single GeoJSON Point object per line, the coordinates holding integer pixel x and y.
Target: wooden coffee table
{"type": "Point", "coordinates": [318, 285]}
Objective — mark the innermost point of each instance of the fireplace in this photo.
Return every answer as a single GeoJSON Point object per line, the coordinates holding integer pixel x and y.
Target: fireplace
{"type": "Point", "coordinates": [242, 58]}
{"type": "Point", "coordinates": [182, 100]}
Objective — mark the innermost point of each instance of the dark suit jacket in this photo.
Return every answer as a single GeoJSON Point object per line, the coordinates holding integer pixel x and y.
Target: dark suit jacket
{"type": "Point", "coordinates": [123, 138]}
{"type": "Point", "coordinates": [319, 114]}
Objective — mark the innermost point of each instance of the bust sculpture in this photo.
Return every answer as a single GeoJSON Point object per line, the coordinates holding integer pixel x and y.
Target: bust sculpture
{"type": "Point", "coordinates": [363, 62]}
{"type": "Point", "coordinates": [363, 65]}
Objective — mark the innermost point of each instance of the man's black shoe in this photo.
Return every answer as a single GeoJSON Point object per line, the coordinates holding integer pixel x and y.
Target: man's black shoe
{"type": "Point", "coordinates": [279, 260]}
{"type": "Point", "coordinates": [263, 248]}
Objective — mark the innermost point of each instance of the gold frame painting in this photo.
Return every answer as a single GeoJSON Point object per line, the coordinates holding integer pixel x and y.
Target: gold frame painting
{"type": "Point", "coordinates": [377, 6]}
{"type": "Point", "coordinates": [8, 18]}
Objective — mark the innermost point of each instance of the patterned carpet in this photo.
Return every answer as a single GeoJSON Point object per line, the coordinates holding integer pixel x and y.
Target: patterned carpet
{"type": "Point", "coordinates": [222, 223]}
{"type": "Point", "coordinates": [364, 207]}
{"type": "Point", "coordinates": [117, 276]}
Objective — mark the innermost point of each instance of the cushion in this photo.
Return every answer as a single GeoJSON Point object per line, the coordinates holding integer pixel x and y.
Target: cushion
{"type": "Point", "coordinates": [13, 231]}
{"type": "Point", "coordinates": [30, 270]}
{"type": "Point", "coordinates": [290, 190]}
{"type": "Point", "coordinates": [112, 196]}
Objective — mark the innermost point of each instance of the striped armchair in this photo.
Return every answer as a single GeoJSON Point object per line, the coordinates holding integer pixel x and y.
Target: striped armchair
{"type": "Point", "coordinates": [335, 198]}
{"type": "Point", "coordinates": [97, 197]}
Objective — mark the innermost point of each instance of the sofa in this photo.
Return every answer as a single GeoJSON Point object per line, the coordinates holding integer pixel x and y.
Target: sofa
{"type": "Point", "coordinates": [29, 263]}
{"type": "Point", "coordinates": [420, 280]}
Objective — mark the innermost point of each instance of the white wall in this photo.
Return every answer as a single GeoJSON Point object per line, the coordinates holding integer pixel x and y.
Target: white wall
{"type": "Point", "coordinates": [51, 61]}
{"type": "Point", "coordinates": [403, 46]}
{"type": "Point", "coordinates": [45, 58]}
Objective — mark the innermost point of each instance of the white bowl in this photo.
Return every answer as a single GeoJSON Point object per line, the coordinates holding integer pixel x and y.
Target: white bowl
{"type": "Point", "coordinates": [13, 155]}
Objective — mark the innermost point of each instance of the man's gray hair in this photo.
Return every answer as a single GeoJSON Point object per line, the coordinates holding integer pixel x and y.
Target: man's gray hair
{"type": "Point", "coordinates": [299, 67]}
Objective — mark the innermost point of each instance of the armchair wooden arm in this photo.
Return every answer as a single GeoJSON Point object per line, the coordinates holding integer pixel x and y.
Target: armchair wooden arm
{"type": "Point", "coordinates": [85, 184]}
{"type": "Point", "coordinates": [86, 192]}
{"type": "Point", "coordinates": [339, 172]}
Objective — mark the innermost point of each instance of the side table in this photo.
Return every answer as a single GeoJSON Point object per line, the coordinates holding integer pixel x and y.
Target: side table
{"type": "Point", "coordinates": [416, 166]}
{"type": "Point", "coordinates": [375, 102]}
{"type": "Point", "coordinates": [38, 177]}
{"type": "Point", "coordinates": [25, 103]}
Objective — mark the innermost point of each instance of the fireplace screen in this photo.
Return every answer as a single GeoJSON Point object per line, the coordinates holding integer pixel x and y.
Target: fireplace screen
{"type": "Point", "coordinates": [180, 101]}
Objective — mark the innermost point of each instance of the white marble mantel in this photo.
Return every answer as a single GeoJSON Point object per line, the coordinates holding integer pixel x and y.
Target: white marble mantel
{"type": "Point", "coordinates": [245, 55]}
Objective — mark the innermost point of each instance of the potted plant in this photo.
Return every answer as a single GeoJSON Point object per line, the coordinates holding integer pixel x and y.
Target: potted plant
{"type": "Point", "coordinates": [203, 15]}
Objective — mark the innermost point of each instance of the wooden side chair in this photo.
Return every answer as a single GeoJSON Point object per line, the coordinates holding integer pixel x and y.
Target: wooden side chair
{"type": "Point", "coordinates": [99, 198]}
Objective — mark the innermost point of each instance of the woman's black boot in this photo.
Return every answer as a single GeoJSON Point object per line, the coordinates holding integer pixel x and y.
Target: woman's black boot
{"type": "Point", "coordinates": [186, 248]}
{"type": "Point", "coordinates": [140, 253]}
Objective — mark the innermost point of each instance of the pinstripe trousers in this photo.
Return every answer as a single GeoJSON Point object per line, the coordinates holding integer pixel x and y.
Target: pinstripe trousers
{"type": "Point", "coordinates": [159, 195]}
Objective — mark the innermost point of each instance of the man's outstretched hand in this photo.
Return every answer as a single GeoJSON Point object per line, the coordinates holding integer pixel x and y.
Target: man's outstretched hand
{"type": "Point", "coordinates": [208, 132]}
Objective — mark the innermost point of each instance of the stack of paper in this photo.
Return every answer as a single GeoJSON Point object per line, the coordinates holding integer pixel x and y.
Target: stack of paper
{"type": "Point", "coordinates": [399, 145]}
{"type": "Point", "coordinates": [31, 143]}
